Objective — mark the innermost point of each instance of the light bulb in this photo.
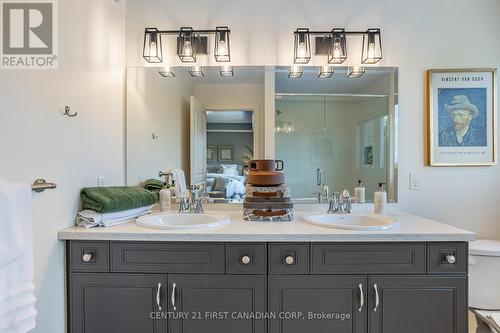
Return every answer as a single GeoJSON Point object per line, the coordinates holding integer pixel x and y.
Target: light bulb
{"type": "Point", "coordinates": [337, 52]}
{"type": "Point", "coordinates": [152, 49]}
{"type": "Point", "coordinates": [188, 49]}
{"type": "Point", "coordinates": [371, 50]}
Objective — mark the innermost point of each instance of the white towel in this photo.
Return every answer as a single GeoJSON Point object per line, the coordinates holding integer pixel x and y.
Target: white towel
{"type": "Point", "coordinates": [11, 234]}
{"type": "Point", "coordinates": [88, 218]}
{"type": "Point", "coordinates": [16, 276]}
{"type": "Point", "coordinates": [180, 181]}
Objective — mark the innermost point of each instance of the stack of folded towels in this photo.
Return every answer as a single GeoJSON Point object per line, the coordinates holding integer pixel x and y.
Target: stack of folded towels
{"type": "Point", "coordinates": [108, 206]}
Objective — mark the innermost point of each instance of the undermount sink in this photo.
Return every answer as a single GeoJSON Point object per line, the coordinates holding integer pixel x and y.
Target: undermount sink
{"type": "Point", "coordinates": [182, 221]}
{"type": "Point", "coordinates": [367, 222]}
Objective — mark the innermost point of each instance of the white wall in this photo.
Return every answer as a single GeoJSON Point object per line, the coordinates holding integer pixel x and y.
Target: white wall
{"type": "Point", "coordinates": [416, 36]}
{"type": "Point", "coordinates": [161, 106]}
{"type": "Point", "coordinates": [36, 140]}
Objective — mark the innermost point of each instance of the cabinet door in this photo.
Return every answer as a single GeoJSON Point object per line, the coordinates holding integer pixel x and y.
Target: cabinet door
{"type": "Point", "coordinates": [215, 304]}
{"type": "Point", "coordinates": [417, 304]}
{"type": "Point", "coordinates": [117, 303]}
{"type": "Point", "coordinates": [318, 304]}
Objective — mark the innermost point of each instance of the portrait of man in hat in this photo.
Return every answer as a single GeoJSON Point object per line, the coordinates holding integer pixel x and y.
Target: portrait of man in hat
{"type": "Point", "coordinates": [460, 122]}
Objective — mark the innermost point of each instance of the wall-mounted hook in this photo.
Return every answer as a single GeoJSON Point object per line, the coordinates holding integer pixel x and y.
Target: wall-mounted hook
{"type": "Point", "coordinates": [67, 112]}
{"type": "Point", "coordinates": [154, 136]}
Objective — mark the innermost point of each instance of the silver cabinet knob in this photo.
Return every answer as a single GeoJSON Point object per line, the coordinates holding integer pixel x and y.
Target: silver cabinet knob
{"type": "Point", "coordinates": [451, 259]}
{"type": "Point", "coordinates": [289, 260]}
{"type": "Point", "coordinates": [87, 257]}
{"type": "Point", "coordinates": [245, 260]}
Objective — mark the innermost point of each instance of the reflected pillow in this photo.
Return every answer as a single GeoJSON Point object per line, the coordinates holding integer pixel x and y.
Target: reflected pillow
{"type": "Point", "coordinates": [229, 169]}
{"type": "Point", "coordinates": [214, 168]}
{"type": "Point", "coordinates": [221, 184]}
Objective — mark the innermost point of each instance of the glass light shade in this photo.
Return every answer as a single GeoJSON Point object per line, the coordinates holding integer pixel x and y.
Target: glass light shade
{"type": "Point", "coordinates": [196, 71]}
{"type": "Point", "coordinates": [295, 72]}
{"type": "Point", "coordinates": [186, 47]}
{"type": "Point", "coordinates": [337, 50]}
{"type": "Point", "coordinates": [152, 50]}
{"type": "Point", "coordinates": [226, 71]}
{"type": "Point", "coordinates": [355, 71]}
{"type": "Point", "coordinates": [325, 72]}
{"type": "Point", "coordinates": [302, 46]}
{"type": "Point", "coordinates": [222, 52]}
{"type": "Point", "coordinates": [372, 47]}
{"type": "Point", "coordinates": [166, 71]}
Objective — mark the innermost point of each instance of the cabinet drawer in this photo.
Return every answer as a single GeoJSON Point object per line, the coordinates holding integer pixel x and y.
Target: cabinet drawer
{"type": "Point", "coordinates": [246, 258]}
{"type": "Point", "coordinates": [147, 257]}
{"type": "Point", "coordinates": [88, 256]}
{"type": "Point", "coordinates": [368, 258]}
{"type": "Point", "coordinates": [288, 258]}
{"type": "Point", "coordinates": [447, 258]}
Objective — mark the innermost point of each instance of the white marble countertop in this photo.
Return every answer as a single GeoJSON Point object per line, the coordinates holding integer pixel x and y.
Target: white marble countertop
{"type": "Point", "coordinates": [413, 228]}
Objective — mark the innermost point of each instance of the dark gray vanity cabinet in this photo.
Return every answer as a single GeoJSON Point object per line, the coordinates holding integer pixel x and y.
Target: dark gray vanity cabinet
{"type": "Point", "coordinates": [121, 303]}
{"type": "Point", "coordinates": [275, 287]}
{"type": "Point", "coordinates": [318, 303]}
{"type": "Point", "coordinates": [417, 304]}
{"type": "Point", "coordinates": [217, 303]}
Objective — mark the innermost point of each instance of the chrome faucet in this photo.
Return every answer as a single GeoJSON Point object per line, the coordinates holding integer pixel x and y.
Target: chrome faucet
{"type": "Point", "coordinates": [324, 188]}
{"type": "Point", "coordinates": [340, 203]}
{"type": "Point", "coordinates": [191, 203]}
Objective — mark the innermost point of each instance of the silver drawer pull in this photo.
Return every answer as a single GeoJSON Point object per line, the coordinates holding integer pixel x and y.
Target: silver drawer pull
{"type": "Point", "coordinates": [87, 257]}
{"type": "Point", "coordinates": [173, 296]}
{"type": "Point", "coordinates": [451, 259]}
{"type": "Point", "coordinates": [289, 260]}
{"type": "Point", "coordinates": [361, 297]}
{"type": "Point", "coordinates": [158, 291]}
{"type": "Point", "coordinates": [377, 299]}
{"type": "Point", "coordinates": [245, 260]}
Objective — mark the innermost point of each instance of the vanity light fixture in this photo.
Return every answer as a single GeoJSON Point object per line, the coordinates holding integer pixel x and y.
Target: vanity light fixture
{"type": "Point", "coordinates": [372, 47]}
{"type": "Point", "coordinates": [222, 51]}
{"type": "Point", "coordinates": [226, 71]}
{"type": "Point", "coordinates": [190, 42]}
{"type": "Point", "coordinates": [166, 71]}
{"type": "Point", "coordinates": [196, 71]}
{"type": "Point", "coordinates": [152, 50]}
{"type": "Point", "coordinates": [325, 72]}
{"type": "Point", "coordinates": [295, 72]}
{"type": "Point", "coordinates": [186, 47]}
{"type": "Point", "coordinates": [355, 71]}
{"type": "Point", "coordinates": [302, 46]}
{"type": "Point", "coordinates": [337, 50]}
{"type": "Point", "coordinates": [333, 44]}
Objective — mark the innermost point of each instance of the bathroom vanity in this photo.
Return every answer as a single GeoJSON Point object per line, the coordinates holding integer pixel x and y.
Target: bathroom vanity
{"type": "Point", "coordinates": [268, 277]}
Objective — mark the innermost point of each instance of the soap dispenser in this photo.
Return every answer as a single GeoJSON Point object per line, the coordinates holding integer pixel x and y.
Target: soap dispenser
{"type": "Point", "coordinates": [165, 199]}
{"type": "Point", "coordinates": [359, 192]}
{"type": "Point", "coordinates": [380, 199]}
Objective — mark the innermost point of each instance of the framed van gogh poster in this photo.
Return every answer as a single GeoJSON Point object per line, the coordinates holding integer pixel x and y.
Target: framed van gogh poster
{"type": "Point", "coordinates": [461, 115]}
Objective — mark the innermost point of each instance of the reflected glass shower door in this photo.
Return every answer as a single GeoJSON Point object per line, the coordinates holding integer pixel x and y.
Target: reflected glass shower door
{"type": "Point", "coordinates": [345, 136]}
{"type": "Point", "coordinates": [300, 142]}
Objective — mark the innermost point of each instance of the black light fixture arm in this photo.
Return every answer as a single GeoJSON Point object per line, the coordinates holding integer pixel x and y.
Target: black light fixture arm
{"type": "Point", "coordinates": [176, 32]}
{"type": "Point", "coordinates": [311, 32]}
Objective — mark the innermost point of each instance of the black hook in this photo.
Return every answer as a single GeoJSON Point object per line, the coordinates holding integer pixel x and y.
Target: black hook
{"type": "Point", "coordinates": [67, 112]}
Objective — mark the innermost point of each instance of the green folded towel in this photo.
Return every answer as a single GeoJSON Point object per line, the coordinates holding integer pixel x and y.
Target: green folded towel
{"type": "Point", "coordinates": [154, 185]}
{"type": "Point", "coordinates": [115, 198]}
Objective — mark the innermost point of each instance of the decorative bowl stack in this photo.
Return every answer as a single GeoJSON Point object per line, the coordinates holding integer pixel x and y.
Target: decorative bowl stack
{"type": "Point", "coordinates": [267, 197]}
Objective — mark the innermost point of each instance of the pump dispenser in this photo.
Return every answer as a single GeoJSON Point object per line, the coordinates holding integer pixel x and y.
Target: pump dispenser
{"type": "Point", "coordinates": [380, 199]}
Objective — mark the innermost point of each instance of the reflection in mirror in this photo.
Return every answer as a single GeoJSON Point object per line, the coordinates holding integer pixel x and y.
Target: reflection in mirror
{"type": "Point", "coordinates": [333, 133]}
{"type": "Point", "coordinates": [330, 132]}
{"type": "Point", "coordinates": [206, 126]}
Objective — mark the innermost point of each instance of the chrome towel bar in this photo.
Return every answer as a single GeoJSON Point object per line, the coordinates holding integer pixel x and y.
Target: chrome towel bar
{"type": "Point", "coordinates": [41, 185]}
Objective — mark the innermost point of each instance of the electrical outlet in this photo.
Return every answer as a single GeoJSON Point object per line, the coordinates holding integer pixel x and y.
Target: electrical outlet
{"type": "Point", "coordinates": [101, 180]}
{"type": "Point", "coordinates": [414, 181]}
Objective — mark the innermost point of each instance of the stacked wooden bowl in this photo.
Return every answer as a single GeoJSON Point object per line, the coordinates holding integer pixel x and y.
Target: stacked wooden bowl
{"type": "Point", "coordinates": [267, 195]}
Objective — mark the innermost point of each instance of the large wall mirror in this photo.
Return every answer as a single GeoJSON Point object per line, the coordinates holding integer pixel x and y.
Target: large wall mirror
{"type": "Point", "coordinates": [330, 132]}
